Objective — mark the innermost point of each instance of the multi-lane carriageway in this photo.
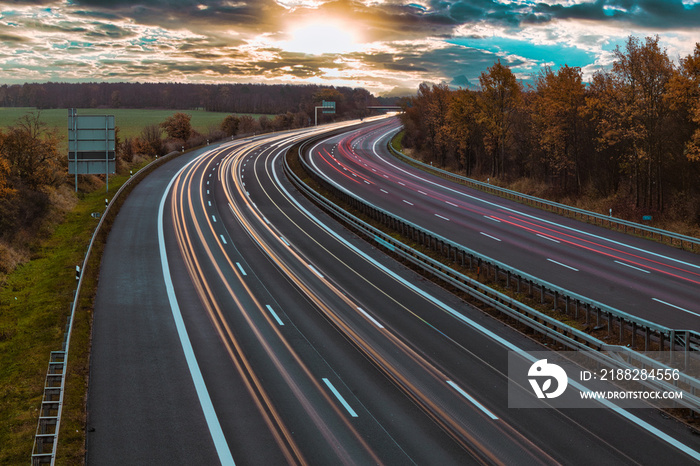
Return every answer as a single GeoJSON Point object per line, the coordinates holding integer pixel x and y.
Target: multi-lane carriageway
{"type": "Point", "coordinates": [236, 322]}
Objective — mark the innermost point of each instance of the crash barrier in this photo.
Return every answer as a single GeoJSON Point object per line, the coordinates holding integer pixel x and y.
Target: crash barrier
{"type": "Point", "coordinates": [664, 236]}
{"type": "Point", "coordinates": [682, 345]}
{"type": "Point", "coordinates": [46, 437]}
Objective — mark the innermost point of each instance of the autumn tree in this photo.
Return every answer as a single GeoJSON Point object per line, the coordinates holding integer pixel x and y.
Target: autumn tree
{"type": "Point", "coordinates": [230, 125]}
{"type": "Point", "coordinates": [462, 130]}
{"type": "Point", "coordinates": [31, 151]}
{"type": "Point", "coordinates": [643, 71]}
{"type": "Point", "coordinates": [499, 100]}
{"type": "Point", "coordinates": [30, 167]}
{"type": "Point", "coordinates": [178, 126]}
{"type": "Point", "coordinates": [248, 125]}
{"type": "Point", "coordinates": [604, 100]}
{"type": "Point", "coordinates": [558, 104]}
{"type": "Point", "coordinates": [5, 187]}
{"type": "Point", "coordinates": [684, 97]}
{"type": "Point", "coordinates": [150, 141]}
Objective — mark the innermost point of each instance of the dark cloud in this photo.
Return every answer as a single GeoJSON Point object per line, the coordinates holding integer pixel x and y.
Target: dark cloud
{"type": "Point", "coordinates": [209, 40]}
{"type": "Point", "coordinates": [657, 14]}
{"type": "Point", "coordinates": [190, 14]}
{"type": "Point", "coordinates": [11, 38]}
{"type": "Point", "coordinates": [106, 30]}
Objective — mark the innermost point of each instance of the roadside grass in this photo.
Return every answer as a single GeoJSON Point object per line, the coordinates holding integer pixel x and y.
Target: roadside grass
{"type": "Point", "coordinates": [35, 302]}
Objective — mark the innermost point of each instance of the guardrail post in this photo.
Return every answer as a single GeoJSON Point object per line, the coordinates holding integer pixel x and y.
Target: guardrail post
{"type": "Point", "coordinates": [541, 294]}
{"type": "Point", "coordinates": [672, 342]}
{"type": "Point", "coordinates": [646, 338]}
{"type": "Point", "coordinates": [622, 330]}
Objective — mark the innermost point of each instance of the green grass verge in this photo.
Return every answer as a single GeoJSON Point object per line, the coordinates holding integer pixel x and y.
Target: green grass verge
{"type": "Point", "coordinates": [34, 305]}
{"type": "Point", "coordinates": [397, 140]}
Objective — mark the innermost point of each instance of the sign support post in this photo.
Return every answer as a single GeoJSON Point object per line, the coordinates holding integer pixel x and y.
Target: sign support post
{"type": "Point", "coordinates": [328, 107]}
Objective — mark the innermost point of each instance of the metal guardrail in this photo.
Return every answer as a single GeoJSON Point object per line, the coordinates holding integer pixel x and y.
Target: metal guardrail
{"type": "Point", "coordinates": [548, 326]}
{"type": "Point", "coordinates": [48, 426]}
{"type": "Point", "coordinates": [626, 226]}
{"type": "Point", "coordinates": [615, 319]}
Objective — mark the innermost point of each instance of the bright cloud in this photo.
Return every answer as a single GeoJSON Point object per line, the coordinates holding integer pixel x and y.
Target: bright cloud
{"type": "Point", "coordinates": [381, 45]}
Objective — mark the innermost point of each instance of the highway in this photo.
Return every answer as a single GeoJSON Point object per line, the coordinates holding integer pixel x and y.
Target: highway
{"type": "Point", "coordinates": [639, 277]}
{"type": "Point", "coordinates": [236, 322]}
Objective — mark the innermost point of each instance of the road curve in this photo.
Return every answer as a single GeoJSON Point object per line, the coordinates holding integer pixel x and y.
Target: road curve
{"type": "Point", "coordinates": [653, 281]}
{"type": "Point", "coordinates": [255, 329]}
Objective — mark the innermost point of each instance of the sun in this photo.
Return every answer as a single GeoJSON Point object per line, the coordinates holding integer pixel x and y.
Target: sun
{"type": "Point", "coordinates": [319, 37]}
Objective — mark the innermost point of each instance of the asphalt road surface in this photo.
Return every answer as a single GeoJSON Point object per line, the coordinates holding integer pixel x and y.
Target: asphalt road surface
{"type": "Point", "coordinates": [236, 322]}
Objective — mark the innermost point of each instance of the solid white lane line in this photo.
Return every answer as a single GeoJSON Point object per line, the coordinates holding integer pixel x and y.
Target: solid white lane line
{"type": "Point", "coordinates": [240, 267]}
{"type": "Point", "coordinates": [223, 239]}
{"type": "Point", "coordinates": [632, 267]}
{"type": "Point", "coordinates": [285, 241]}
{"type": "Point", "coordinates": [548, 238]}
{"type": "Point", "coordinates": [370, 317]}
{"type": "Point", "coordinates": [444, 218]}
{"type": "Point", "coordinates": [313, 269]}
{"type": "Point", "coordinates": [409, 203]}
{"type": "Point", "coordinates": [563, 265]}
{"type": "Point", "coordinates": [688, 264]}
{"type": "Point", "coordinates": [489, 236]}
{"type": "Point", "coordinates": [677, 307]}
{"type": "Point", "coordinates": [483, 330]}
{"type": "Point", "coordinates": [339, 397]}
{"type": "Point", "coordinates": [274, 314]}
{"type": "Point", "coordinates": [474, 402]}
{"type": "Point", "coordinates": [215, 430]}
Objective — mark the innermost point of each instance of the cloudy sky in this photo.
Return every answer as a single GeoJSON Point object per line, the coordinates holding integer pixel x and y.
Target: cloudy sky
{"type": "Point", "coordinates": [382, 45]}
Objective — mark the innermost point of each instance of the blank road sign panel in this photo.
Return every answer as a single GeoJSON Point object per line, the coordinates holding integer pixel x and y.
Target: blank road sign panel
{"type": "Point", "coordinates": [91, 144]}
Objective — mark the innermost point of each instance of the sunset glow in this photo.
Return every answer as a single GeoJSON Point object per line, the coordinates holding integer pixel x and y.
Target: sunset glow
{"type": "Point", "coordinates": [388, 46]}
{"type": "Point", "coordinates": [321, 37]}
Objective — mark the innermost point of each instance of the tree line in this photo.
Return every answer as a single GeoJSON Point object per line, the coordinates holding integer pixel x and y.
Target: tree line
{"type": "Point", "coordinates": [33, 170]}
{"type": "Point", "coordinates": [633, 131]}
{"type": "Point", "coordinates": [231, 98]}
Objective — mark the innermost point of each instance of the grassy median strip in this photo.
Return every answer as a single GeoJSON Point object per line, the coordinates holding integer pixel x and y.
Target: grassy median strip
{"type": "Point", "coordinates": [35, 303]}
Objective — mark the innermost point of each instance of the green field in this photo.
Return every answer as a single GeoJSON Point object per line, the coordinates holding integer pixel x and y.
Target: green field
{"type": "Point", "coordinates": [129, 121]}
